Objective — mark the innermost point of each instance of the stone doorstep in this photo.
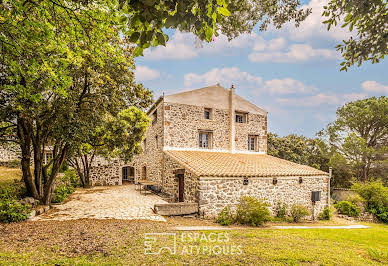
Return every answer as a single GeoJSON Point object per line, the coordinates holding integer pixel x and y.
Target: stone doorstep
{"type": "Point", "coordinates": [179, 208]}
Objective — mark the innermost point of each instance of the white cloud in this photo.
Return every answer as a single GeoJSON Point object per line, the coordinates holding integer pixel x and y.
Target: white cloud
{"type": "Point", "coordinates": [276, 44]}
{"type": "Point", "coordinates": [182, 46]}
{"type": "Point", "coordinates": [350, 97]}
{"type": "Point", "coordinates": [322, 99]}
{"type": "Point", "coordinates": [143, 73]}
{"type": "Point", "coordinates": [373, 86]}
{"type": "Point", "coordinates": [245, 80]}
{"type": "Point", "coordinates": [308, 101]}
{"type": "Point", "coordinates": [295, 53]}
{"type": "Point", "coordinates": [313, 28]}
{"type": "Point", "coordinates": [286, 86]}
{"type": "Point", "coordinates": [225, 76]}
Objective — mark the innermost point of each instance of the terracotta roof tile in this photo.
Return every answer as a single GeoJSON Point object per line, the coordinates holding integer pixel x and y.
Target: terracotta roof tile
{"type": "Point", "coordinates": [224, 164]}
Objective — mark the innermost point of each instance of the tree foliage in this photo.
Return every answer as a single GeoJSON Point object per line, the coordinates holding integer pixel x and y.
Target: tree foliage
{"type": "Point", "coordinates": [359, 138]}
{"type": "Point", "coordinates": [369, 19]}
{"type": "Point", "coordinates": [63, 66]}
{"type": "Point", "coordinates": [299, 149]}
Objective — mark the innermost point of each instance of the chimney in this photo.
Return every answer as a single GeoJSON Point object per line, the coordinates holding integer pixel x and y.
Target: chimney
{"type": "Point", "coordinates": [231, 120]}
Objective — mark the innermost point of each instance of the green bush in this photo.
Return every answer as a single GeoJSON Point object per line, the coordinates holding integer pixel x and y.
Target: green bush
{"type": "Point", "coordinates": [15, 163]}
{"type": "Point", "coordinates": [13, 190]}
{"type": "Point", "coordinates": [281, 211]}
{"type": "Point", "coordinates": [252, 211]}
{"type": "Point", "coordinates": [348, 208]}
{"type": "Point", "coordinates": [326, 214]}
{"type": "Point", "coordinates": [61, 193]}
{"type": "Point", "coordinates": [225, 217]}
{"type": "Point", "coordinates": [298, 212]}
{"type": "Point", "coordinates": [12, 211]}
{"type": "Point", "coordinates": [375, 196]}
{"type": "Point", "coordinates": [70, 177]}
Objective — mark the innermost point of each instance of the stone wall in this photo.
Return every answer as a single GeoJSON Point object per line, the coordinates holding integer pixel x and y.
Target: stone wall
{"type": "Point", "coordinates": [170, 182]}
{"type": "Point", "coordinates": [152, 156]}
{"type": "Point", "coordinates": [216, 193]}
{"type": "Point", "coordinates": [182, 123]}
{"type": "Point", "coordinates": [256, 125]}
{"type": "Point", "coordinates": [106, 174]}
{"type": "Point", "coordinates": [9, 153]}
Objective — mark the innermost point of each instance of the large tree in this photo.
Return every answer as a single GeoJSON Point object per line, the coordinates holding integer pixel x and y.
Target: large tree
{"type": "Point", "coordinates": [50, 50]}
{"type": "Point", "coordinates": [56, 77]}
{"type": "Point", "coordinates": [369, 19]}
{"type": "Point", "coordinates": [359, 138]}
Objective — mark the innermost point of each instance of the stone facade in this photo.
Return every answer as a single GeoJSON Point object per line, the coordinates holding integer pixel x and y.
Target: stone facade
{"type": "Point", "coordinates": [9, 153]}
{"type": "Point", "coordinates": [170, 182]}
{"type": "Point", "coordinates": [106, 174]}
{"type": "Point", "coordinates": [183, 123]}
{"type": "Point", "coordinates": [216, 193]}
{"type": "Point", "coordinates": [177, 121]}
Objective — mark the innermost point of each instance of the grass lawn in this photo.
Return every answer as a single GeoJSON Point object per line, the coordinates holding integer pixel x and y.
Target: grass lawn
{"type": "Point", "coordinates": [122, 242]}
{"type": "Point", "coordinates": [9, 174]}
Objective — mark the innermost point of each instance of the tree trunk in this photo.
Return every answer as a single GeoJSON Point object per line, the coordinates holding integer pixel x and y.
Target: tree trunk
{"type": "Point", "coordinates": [24, 134]}
{"type": "Point", "coordinates": [58, 158]}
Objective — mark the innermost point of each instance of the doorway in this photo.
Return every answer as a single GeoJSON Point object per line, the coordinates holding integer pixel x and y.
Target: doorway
{"type": "Point", "coordinates": [144, 173]}
{"type": "Point", "coordinates": [128, 174]}
{"type": "Point", "coordinates": [181, 187]}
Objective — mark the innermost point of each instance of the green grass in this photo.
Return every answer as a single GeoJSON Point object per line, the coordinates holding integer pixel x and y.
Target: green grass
{"type": "Point", "coordinates": [8, 175]}
{"type": "Point", "coordinates": [124, 245]}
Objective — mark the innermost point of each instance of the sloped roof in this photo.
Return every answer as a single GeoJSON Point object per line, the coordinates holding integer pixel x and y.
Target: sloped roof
{"type": "Point", "coordinates": [224, 164]}
{"type": "Point", "coordinates": [214, 96]}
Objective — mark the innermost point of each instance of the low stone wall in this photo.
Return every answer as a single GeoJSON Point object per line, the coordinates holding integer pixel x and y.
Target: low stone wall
{"type": "Point", "coordinates": [179, 208]}
{"type": "Point", "coordinates": [216, 193]}
{"type": "Point", "coordinates": [106, 175]}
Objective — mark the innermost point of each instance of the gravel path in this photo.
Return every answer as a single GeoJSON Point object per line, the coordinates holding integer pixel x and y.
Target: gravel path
{"type": "Point", "coordinates": [114, 202]}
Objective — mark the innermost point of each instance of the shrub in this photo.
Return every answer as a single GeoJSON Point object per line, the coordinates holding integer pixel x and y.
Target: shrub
{"type": "Point", "coordinates": [12, 211]}
{"type": "Point", "coordinates": [70, 177]}
{"type": "Point", "coordinates": [61, 192]}
{"type": "Point", "coordinates": [252, 211]}
{"type": "Point", "coordinates": [356, 199]}
{"type": "Point", "coordinates": [225, 217]}
{"type": "Point", "coordinates": [348, 208]}
{"type": "Point", "coordinates": [16, 163]}
{"type": "Point", "coordinates": [298, 211]}
{"type": "Point", "coordinates": [375, 196]}
{"type": "Point", "coordinates": [326, 214]}
{"type": "Point", "coordinates": [13, 190]}
{"type": "Point", "coordinates": [281, 211]}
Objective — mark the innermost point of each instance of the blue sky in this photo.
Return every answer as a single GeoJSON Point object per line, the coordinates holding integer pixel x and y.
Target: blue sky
{"type": "Point", "coordinates": [293, 73]}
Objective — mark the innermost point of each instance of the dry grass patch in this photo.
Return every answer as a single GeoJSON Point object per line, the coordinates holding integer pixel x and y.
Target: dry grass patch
{"type": "Point", "coordinates": [9, 174]}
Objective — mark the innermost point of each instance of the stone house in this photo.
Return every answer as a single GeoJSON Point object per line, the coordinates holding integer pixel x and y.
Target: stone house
{"type": "Point", "coordinates": [209, 146]}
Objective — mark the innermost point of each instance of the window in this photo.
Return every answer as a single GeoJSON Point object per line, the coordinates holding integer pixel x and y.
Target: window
{"type": "Point", "coordinates": [252, 143]}
{"type": "Point", "coordinates": [207, 113]}
{"type": "Point", "coordinates": [156, 141]}
{"type": "Point", "coordinates": [154, 117]}
{"type": "Point", "coordinates": [47, 156]}
{"type": "Point", "coordinates": [125, 173]}
{"type": "Point", "coordinates": [205, 139]}
{"type": "Point", "coordinates": [241, 117]}
{"type": "Point", "coordinates": [145, 145]}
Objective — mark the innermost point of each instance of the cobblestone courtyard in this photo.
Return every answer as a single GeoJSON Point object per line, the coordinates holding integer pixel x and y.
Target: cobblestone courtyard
{"type": "Point", "coordinates": [113, 202]}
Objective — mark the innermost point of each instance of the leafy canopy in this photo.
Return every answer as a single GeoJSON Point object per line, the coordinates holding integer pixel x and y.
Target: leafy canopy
{"type": "Point", "coordinates": [369, 19]}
